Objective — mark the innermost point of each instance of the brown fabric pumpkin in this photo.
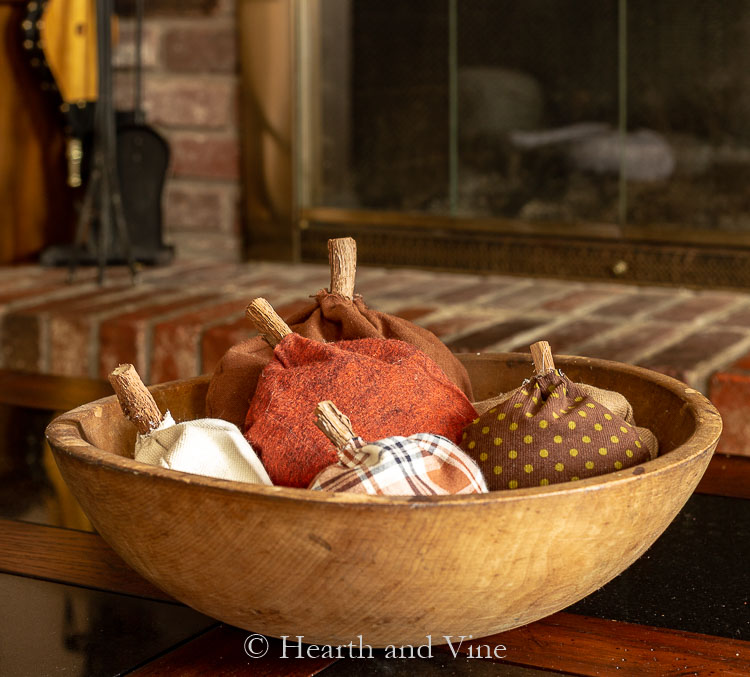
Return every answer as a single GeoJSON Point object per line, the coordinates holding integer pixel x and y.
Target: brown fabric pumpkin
{"type": "Point", "coordinates": [551, 430]}
{"type": "Point", "coordinates": [387, 387]}
{"type": "Point", "coordinates": [615, 402]}
{"type": "Point", "coordinates": [331, 317]}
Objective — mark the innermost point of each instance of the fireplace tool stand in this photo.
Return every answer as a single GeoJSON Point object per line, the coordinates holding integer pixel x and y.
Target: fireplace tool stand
{"type": "Point", "coordinates": [103, 196]}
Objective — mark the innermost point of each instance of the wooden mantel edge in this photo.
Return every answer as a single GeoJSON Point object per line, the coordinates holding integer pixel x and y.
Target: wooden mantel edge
{"type": "Point", "coordinates": [69, 556]}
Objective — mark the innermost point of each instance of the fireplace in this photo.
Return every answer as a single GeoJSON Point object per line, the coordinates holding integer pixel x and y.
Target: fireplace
{"type": "Point", "coordinates": [591, 139]}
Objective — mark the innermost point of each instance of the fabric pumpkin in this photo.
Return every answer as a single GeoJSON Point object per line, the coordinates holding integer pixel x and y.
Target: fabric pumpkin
{"type": "Point", "coordinates": [331, 317]}
{"type": "Point", "coordinates": [614, 401]}
{"type": "Point", "coordinates": [420, 465]}
{"type": "Point", "coordinates": [388, 387]}
{"type": "Point", "coordinates": [551, 430]}
{"type": "Point", "coordinates": [208, 447]}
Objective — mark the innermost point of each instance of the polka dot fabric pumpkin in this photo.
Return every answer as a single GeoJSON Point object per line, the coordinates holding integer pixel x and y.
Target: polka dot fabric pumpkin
{"type": "Point", "coordinates": [550, 430]}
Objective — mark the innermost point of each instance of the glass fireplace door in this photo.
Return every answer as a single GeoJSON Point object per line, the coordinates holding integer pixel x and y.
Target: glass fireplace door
{"type": "Point", "coordinates": [585, 138]}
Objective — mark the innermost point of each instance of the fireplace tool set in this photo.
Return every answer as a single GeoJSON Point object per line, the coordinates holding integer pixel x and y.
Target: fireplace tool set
{"type": "Point", "coordinates": [119, 160]}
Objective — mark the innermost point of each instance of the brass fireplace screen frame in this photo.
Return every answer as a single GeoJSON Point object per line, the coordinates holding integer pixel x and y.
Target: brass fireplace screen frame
{"type": "Point", "coordinates": [280, 121]}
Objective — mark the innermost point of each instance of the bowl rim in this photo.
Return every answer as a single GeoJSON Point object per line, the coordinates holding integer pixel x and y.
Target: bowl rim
{"type": "Point", "coordinates": [64, 435]}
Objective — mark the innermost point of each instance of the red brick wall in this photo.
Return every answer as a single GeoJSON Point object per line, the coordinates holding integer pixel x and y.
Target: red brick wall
{"type": "Point", "coordinates": [190, 96]}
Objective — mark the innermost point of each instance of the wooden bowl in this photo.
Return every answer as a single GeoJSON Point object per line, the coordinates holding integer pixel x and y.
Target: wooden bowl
{"type": "Point", "coordinates": [330, 567]}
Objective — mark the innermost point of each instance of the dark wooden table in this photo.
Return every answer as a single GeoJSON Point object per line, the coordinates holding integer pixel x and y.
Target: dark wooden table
{"type": "Point", "coordinates": [72, 606]}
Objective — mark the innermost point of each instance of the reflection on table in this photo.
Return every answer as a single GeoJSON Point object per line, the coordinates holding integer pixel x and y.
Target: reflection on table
{"type": "Point", "coordinates": [31, 487]}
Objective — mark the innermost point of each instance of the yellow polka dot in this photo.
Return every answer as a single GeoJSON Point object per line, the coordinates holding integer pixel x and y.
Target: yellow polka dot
{"type": "Point", "coordinates": [543, 453]}
{"type": "Point", "coordinates": [517, 405]}
{"type": "Point", "coordinates": [572, 425]}
{"type": "Point", "coordinates": [574, 478]}
{"type": "Point", "coordinates": [464, 436]}
{"type": "Point", "coordinates": [623, 429]}
{"type": "Point", "coordinates": [498, 441]}
{"type": "Point", "coordinates": [535, 400]}
{"type": "Point", "coordinates": [485, 430]}
{"type": "Point", "coordinates": [556, 395]}
{"type": "Point", "coordinates": [597, 426]}
{"type": "Point", "coordinates": [543, 423]}
{"type": "Point", "coordinates": [513, 426]}
{"type": "Point", "coordinates": [589, 465]}
{"type": "Point", "coordinates": [543, 482]}
{"type": "Point", "coordinates": [618, 465]}
{"type": "Point", "coordinates": [608, 416]}
{"type": "Point", "coordinates": [555, 415]}
{"type": "Point", "coordinates": [472, 444]}
{"type": "Point", "coordinates": [603, 451]}
{"type": "Point", "coordinates": [614, 439]}
{"type": "Point", "coordinates": [501, 416]}
{"type": "Point", "coordinates": [528, 414]}
{"type": "Point", "coordinates": [497, 469]}
{"type": "Point", "coordinates": [629, 453]}
{"type": "Point", "coordinates": [582, 413]}
{"type": "Point", "coordinates": [590, 405]}
{"type": "Point", "coordinates": [573, 452]}
{"type": "Point", "coordinates": [559, 467]}
{"type": "Point", "coordinates": [528, 468]}
{"type": "Point", "coordinates": [557, 439]}
{"type": "Point", "coordinates": [578, 399]}
{"type": "Point", "coordinates": [528, 439]}
{"type": "Point", "coordinates": [525, 392]}
{"type": "Point", "coordinates": [512, 484]}
{"type": "Point", "coordinates": [638, 444]}
{"type": "Point", "coordinates": [483, 456]}
{"type": "Point", "coordinates": [492, 411]}
{"type": "Point", "coordinates": [512, 453]}
{"type": "Point", "coordinates": [586, 439]}
{"type": "Point", "coordinates": [475, 421]}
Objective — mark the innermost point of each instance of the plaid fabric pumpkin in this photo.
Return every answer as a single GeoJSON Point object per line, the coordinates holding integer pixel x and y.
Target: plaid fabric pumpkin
{"type": "Point", "coordinates": [420, 465]}
{"type": "Point", "coordinates": [551, 430]}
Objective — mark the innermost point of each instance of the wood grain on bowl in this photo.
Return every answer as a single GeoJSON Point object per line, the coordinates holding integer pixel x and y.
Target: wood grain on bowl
{"type": "Point", "coordinates": [288, 561]}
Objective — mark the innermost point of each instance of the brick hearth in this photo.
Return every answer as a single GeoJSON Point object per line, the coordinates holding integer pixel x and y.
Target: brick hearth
{"type": "Point", "coordinates": [178, 321]}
